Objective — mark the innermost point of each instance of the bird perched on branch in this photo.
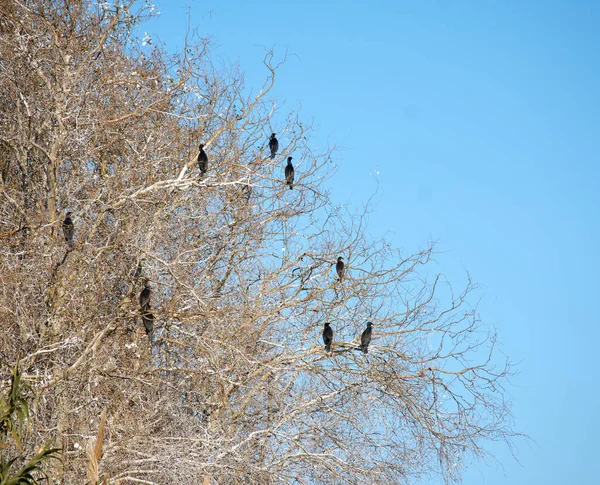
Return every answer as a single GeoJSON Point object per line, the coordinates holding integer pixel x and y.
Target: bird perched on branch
{"type": "Point", "coordinates": [340, 268]}
{"type": "Point", "coordinates": [289, 173]}
{"type": "Point", "coordinates": [68, 229]}
{"type": "Point", "coordinates": [365, 338]}
{"type": "Point", "coordinates": [148, 320]}
{"type": "Point", "coordinates": [202, 161]}
{"type": "Point", "coordinates": [145, 295]}
{"type": "Point", "coordinates": [247, 191]}
{"type": "Point", "coordinates": [273, 145]}
{"type": "Point", "coordinates": [327, 337]}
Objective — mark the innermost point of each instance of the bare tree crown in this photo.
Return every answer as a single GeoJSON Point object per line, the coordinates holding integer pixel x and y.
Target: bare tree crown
{"type": "Point", "coordinates": [217, 370]}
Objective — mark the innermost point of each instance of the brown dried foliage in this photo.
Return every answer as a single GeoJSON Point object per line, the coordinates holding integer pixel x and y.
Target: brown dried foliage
{"type": "Point", "coordinates": [234, 384]}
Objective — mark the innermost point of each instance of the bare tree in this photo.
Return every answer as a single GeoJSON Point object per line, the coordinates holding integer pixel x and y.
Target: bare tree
{"type": "Point", "coordinates": [232, 385]}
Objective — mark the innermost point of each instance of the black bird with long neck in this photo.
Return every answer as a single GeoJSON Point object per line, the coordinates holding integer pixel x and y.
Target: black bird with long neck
{"type": "Point", "coordinates": [340, 268]}
{"type": "Point", "coordinates": [68, 229]}
{"type": "Point", "coordinates": [289, 173]}
{"type": "Point", "coordinates": [247, 192]}
{"type": "Point", "coordinates": [273, 145]}
{"type": "Point", "coordinates": [145, 295]}
{"type": "Point", "coordinates": [148, 320]}
{"type": "Point", "coordinates": [365, 338]}
{"type": "Point", "coordinates": [327, 337]}
{"type": "Point", "coordinates": [202, 161]}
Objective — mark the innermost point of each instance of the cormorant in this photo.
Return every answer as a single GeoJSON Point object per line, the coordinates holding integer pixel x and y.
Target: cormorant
{"type": "Point", "coordinates": [145, 295]}
{"type": "Point", "coordinates": [365, 338]}
{"type": "Point", "coordinates": [202, 161]}
{"type": "Point", "coordinates": [68, 229]}
{"type": "Point", "coordinates": [289, 173]}
{"type": "Point", "coordinates": [148, 321]}
{"type": "Point", "coordinates": [273, 145]}
{"type": "Point", "coordinates": [247, 191]}
{"type": "Point", "coordinates": [327, 337]}
{"type": "Point", "coordinates": [340, 267]}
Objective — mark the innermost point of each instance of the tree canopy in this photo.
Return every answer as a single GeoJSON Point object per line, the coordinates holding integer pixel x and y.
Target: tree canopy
{"type": "Point", "coordinates": [232, 384]}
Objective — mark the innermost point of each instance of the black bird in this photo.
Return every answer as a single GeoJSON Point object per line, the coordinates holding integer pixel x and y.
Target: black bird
{"type": "Point", "coordinates": [340, 267]}
{"type": "Point", "coordinates": [247, 191]}
{"type": "Point", "coordinates": [148, 321]}
{"type": "Point", "coordinates": [145, 296]}
{"type": "Point", "coordinates": [273, 145]}
{"type": "Point", "coordinates": [365, 339]}
{"type": "Point", "coordinates": [289, 173]}
{"type": "Point", "coordinates": [327, 337]}
{"type": "Point", "coordinates": [68, 229]}
{"type": "Point", "coordinates": [202, 161]}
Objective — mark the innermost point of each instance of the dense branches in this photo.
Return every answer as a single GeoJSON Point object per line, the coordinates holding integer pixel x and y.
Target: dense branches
{"type": "Point", "coordinates": [234, 384]}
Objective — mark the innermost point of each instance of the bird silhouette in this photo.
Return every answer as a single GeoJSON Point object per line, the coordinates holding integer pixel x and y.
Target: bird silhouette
{"type": "Point", "coordinates": [289, 173]}
{"type": "Point", "coordinates": [145, 295]}
{"type": "Point", "coordinates": [273, 145]}
{"type": "Point", "coordinates": [202, 161]}
{"type": "Point", "coordinates": [247, 191]}
{"type": "Point", "coordinates": [148, 320]}
{"type": "Point", "coordinates": [68, 229]}
{"type": "Point", "coordinates": [327, 337]}
{"type": "Point", "coordinates": [340, 268]}
{"type": "Point", "coordinates": [365, 338]}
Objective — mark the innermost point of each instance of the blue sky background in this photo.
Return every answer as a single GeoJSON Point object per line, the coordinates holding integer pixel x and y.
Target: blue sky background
{"type": "Point", "coordinates": [483, 120]}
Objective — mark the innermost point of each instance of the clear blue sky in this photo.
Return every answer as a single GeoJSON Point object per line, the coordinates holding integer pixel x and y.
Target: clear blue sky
{"type": "Point", "coordinates": [483, 119]}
